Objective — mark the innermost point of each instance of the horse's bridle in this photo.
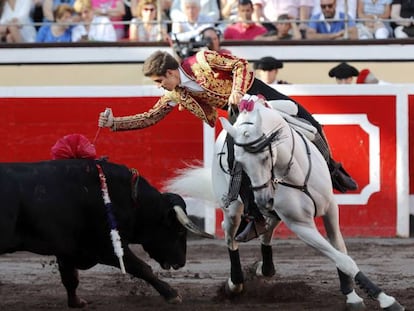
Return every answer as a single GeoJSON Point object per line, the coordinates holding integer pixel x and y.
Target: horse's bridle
{"type": "Point", "coordinates": [259, 145]}
{"type": "Point", "coordinates": [264, 141]}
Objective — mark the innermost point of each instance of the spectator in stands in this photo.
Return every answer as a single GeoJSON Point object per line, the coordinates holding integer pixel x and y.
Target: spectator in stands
{"type": "Point", "coordinates": [165, 11]}
{"type": "Point", "coordinates": [165, 7]}
{"type": "Point", "coordinates": [208, 8]}
{"type": "Point", "coordinates": [115, 11]}
{"type": "Point", "coordinates": [367, 77]}
{"type": "Point", "coordinates": [402, 12]}
{"type": "Point", "coordinates": [373, 16]}
{"type": "Point", "coordinates": [244, 28]}
{"type": "Point", "coordinates": [229, 10]}
{"type": "Point", "coordinates": [92, 27]}
{"type": "Point", "coordinates": [286, 29]}
{"type": "Point", "coordinates": [36, 13]}
{"type": "Point", "coordinates": [266, 11]}
{"type": "Point", "coordinates": [331, 24]}
{"type": "Point", "coordinates": [145, 26]}
{"type": "Point", "coordinates": [341, 6]}
{"type": "Point", "coordinates": [190, 25]}
{"type": "Point", "coordinates": [49, 6]}
{"type": "Point", "coordinates": [213, 35]}
{"type": "Point", "coordinates": [16, 25]}
{"type": "Point", "coordinates": [267, 69]}
{"type": "Point", "coordinates": [344, 73]}
{"type": "Point", "coordinates": [61, 29]}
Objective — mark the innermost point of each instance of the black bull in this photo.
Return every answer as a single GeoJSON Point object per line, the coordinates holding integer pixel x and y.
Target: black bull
{"type": "Point", "coordinates": [56, 208]}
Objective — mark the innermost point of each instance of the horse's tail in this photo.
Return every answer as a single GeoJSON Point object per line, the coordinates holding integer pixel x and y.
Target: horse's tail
{"type": "Point", "coordinates": [192, 181]}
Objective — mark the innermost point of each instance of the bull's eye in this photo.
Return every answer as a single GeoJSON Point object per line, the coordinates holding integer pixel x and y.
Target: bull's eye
{"type": "Point", "coordinates": [246, 134]}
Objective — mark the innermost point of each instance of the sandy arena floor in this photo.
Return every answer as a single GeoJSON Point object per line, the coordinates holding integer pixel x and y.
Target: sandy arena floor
{"type": "Point", "coordinates": [304, 279]}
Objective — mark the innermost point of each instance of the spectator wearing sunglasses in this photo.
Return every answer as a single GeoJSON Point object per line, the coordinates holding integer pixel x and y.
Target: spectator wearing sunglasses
{"type": "Point", "coordinates": [341, 6]}
{"type": "Point", "coordinates": [145, 27]}
{"type": "Point", "coordinates": [267, 11]}
{"type": "Point", "coordinates": [331, 24]}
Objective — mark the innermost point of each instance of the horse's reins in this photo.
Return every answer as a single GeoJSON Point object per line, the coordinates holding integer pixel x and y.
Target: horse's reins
{"type": "Point", "coordinates": [262, 142]}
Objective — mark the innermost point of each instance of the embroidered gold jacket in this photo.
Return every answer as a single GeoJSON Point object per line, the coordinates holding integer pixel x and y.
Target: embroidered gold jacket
{"type": "Point", "coordinates": [217, 74]}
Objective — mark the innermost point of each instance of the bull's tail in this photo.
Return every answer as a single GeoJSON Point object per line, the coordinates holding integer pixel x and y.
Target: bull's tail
{"type": "Point", "coordinates": [192, 181]}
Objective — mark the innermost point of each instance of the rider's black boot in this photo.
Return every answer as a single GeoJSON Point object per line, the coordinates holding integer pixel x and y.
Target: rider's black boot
{"type": "Point", "coordinates": [255, 226]}
{"type": "Point", "coordinates": [255, 223]}
{"type": "Point", "coordinates": [341, 180]}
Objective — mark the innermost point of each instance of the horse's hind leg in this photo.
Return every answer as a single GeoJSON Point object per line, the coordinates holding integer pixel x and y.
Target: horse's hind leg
{"type": "Point", "coordinates": [312, 237]}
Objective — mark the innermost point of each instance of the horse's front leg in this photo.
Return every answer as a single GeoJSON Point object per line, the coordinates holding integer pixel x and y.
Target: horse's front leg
{"type": "Point", "coordinates": [231, 222]}
{"type": "Point", "coordinates": [266, 267]}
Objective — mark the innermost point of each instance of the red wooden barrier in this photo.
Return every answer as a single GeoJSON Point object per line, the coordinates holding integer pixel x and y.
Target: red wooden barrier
{"type": "Point", "coordinates": [367, 128]}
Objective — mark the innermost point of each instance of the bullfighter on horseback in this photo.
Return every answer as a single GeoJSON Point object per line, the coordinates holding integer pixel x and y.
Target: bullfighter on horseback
{"type": "Point", "coordinates": [204, 83]}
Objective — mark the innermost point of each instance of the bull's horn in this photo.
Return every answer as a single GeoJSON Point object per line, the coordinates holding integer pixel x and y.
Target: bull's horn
{"type": "Point", "coordinates": [189, 225]}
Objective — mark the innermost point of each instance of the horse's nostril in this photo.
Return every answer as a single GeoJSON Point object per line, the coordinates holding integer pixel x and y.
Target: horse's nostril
{"type": "Point", "coordinates": [269, 204]}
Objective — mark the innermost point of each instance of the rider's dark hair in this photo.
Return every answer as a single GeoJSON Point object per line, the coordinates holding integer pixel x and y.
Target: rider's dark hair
{"type": "Point", "coordinates": [158, 63]}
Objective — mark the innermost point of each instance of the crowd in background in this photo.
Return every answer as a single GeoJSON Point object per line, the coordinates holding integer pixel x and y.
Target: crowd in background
{"type": "Point", "coordinates": [186, 20]}
{"type": "Point", "coordinates": [267, 69]}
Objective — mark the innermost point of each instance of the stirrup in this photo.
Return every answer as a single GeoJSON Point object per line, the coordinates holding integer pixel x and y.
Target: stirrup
{"type": "Point", "coordinates": [253, 229]}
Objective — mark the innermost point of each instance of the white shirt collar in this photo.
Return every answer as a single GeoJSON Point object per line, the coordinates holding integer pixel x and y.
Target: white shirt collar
{"type": "Point", "coordinates": [188, 83]}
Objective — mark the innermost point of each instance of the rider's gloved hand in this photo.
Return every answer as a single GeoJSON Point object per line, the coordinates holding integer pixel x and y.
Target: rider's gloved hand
{"type": "Point", "coordinates": [106, 118]}
{"type": "Point", "coordinates": [235, 98]}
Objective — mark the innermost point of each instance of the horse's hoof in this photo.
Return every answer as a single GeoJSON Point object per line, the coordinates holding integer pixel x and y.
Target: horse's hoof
{"type": "Point", "coordinates": [259, 268]}
{"type": "Point", "coordinates": [232, 289]}
{"type": "Point", "coordinates": [356, 306]}
{"type": "Point", "coordinates": [394, 307]}
{"type": "Point", "coordinates": [262, 271]}
{"type": "Point", "coordinates": [175, 300]}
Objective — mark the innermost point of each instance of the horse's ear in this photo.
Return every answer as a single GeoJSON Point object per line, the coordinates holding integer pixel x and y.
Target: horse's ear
{"type": "Point", "coordinates": [257, 118]}
{"type": "Point", "coordinates": [228, 127]}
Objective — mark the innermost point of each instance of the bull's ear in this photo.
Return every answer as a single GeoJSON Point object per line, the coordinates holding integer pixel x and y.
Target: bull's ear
{"type": "Point", "coordinates": [174, 199]}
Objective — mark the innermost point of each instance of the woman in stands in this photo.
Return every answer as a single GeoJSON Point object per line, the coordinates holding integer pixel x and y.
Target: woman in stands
{"type": "Point", "coordinates": [145, 27]}
{"type": "Point", "coordinates": [61, 30]}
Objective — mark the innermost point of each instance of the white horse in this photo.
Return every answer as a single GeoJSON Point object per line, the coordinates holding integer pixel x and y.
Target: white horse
{"type": "Point", "coordinates": [291, 183]}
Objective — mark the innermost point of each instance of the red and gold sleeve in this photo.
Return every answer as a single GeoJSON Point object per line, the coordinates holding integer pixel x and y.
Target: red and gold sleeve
{"type": "Point", "coordinates": [239, 68]}
{"type": "Point", "coordinates": [145, 119]}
